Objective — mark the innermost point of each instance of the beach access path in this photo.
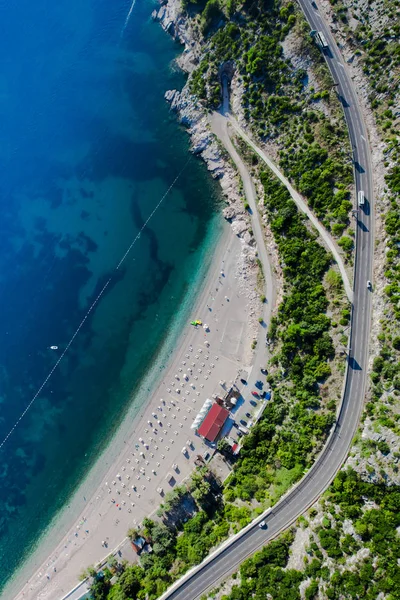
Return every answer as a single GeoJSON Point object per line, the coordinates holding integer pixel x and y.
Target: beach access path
{"type": "Point", "coordinates": [128, 491]}
{"type": "Point", "coordinates": [327, 239]}
{"type": "Point", "coordinates": [219, 125]}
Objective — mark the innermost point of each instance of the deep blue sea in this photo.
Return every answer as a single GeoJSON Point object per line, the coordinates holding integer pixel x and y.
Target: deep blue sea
{"type": "Point", "coordinates": [88, 148]}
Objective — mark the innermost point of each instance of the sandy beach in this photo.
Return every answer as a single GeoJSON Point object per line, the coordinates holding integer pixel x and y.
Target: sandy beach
{"type": "Point", "coordinates": [153, 450]}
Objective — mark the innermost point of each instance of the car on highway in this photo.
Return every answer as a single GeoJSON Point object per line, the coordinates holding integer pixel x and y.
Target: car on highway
{"type": "Point", "coordinates": [369, 285]}
{"type": "Point", "coordinates": [256, 394]}
{"type": "Point", "coordinates": [262, 525]}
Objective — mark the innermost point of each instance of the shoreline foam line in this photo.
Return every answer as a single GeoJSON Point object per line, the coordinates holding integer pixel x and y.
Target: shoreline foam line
{"type": "Point", "coordinates": [92, 306]}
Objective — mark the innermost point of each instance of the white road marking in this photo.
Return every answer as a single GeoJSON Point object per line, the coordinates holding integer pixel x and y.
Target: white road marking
{"type": "Point", "coordinates": [340, 64]}
{"type": "Point", "coordinates": [363, 138]}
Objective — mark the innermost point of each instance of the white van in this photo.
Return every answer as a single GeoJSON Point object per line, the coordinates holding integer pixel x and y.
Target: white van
{"type": "Point", "coordinates": [361, 198]}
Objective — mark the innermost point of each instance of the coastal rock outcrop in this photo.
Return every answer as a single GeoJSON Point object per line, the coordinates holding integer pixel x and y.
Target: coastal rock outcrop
{"type": "Point", "coordinates": [203, 143]}
{"type": "Point", "coordinates": [192, 115]}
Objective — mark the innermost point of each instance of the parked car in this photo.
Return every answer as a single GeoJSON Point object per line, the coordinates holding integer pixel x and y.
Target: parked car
{"type": "Point", "coordinates": [259, 384]}
{"type": "Point", "coordinates": [248, 415]}
{"type": "Point", "coordinates": [264, 371]}
{"type": "Point", "coordinates": [256, 394]}
{"type": "Point", "coordinates": [243, 422]}
{"type": "Point", "coordinates": [243, 381]}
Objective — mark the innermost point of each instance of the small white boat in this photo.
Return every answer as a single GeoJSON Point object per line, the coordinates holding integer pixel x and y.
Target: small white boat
{"type": "Point", "coordinates": [53, 347]}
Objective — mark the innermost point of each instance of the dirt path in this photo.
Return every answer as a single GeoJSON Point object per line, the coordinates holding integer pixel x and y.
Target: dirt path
{"type": "Point", "coordinates": [219, 126]}
{"type": "Point", "coordinates": [301, 204]}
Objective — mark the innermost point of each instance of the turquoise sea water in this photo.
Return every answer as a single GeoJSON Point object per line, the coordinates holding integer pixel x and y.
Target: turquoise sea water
{"type": "Point", "coordinates": [88, 149]}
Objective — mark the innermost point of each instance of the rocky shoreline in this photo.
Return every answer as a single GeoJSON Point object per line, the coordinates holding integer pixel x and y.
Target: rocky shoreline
{"type": "Point", "coordinates": [193, 116]}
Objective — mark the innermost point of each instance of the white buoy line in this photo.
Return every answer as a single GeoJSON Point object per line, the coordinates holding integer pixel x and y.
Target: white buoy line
{"type": "Point", "coordinates": [92, 306]}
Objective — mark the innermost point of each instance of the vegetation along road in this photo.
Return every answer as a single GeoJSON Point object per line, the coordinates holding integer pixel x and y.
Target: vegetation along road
{"type": "Point", "coordinates": [302, 205]}
{"type": "Point", "coordinates": [226, 561]}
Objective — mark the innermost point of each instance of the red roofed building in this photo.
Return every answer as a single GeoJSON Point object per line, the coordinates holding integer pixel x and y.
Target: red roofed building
{"type": "Point", "coordinates": [213, 423]}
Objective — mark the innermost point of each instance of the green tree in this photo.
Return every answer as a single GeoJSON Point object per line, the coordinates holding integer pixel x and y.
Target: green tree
{"type": "Point", "coordinates": [346, 243]}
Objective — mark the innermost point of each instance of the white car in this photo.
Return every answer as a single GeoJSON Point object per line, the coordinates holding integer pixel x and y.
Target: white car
{"type": "Point", "coordinates": [369, 285]}
{"type": "Point", "coordinates": [262, 525]}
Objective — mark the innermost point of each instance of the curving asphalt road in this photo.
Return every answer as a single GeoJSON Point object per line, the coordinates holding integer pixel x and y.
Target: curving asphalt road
{"type": "Point", "coordinates": [318, 478]}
